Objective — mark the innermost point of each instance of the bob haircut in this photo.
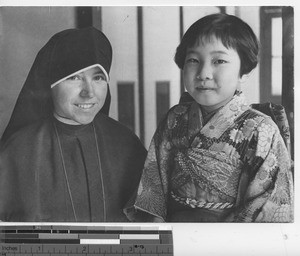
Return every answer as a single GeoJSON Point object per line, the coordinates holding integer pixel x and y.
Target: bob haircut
{"type": "Point", "coordinates": [232, 31]}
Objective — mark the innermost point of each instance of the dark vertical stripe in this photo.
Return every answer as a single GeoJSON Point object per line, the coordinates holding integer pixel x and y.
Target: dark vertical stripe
{"type": "Point", "coordinates": [97, 17]}
{"type": "Point", "coordinates": [222, 9]}
{"type": "Point", "coordinates": [162, 100]}
{"type": "Point", "coordinates": [288, 67]}
{"type": "Point", "coordinates": [126, 104]}
{"type": "Point", "coordinates": [84, 17]}
{"type": "Point", "coordinates": [181, 30]}
{"type": "Point", "coordinates": [265, 56]}
{"type": "Point", "coordinates": [141, 71]}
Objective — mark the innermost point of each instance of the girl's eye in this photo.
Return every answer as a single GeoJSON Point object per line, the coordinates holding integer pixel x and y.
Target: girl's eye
{"type": "Point", "coordinates": [220, 61]}
{"type": "Point", "coordinates": [192, 60]}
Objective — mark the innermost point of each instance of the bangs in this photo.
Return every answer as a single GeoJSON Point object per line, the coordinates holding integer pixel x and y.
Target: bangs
{"type": "Point", "coordinates": [228, 38]}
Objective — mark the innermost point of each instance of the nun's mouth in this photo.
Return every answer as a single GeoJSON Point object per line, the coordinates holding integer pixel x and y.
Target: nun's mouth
{"type": "Point", "coordinates": [85, 105]}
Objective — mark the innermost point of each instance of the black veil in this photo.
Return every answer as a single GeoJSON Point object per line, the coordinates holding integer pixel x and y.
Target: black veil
{"type": "Point", "coordinates": [65, 53]}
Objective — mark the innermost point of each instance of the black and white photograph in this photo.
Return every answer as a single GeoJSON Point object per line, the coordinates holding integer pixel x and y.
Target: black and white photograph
{"type": "Point", "coordinates": [180, 115]}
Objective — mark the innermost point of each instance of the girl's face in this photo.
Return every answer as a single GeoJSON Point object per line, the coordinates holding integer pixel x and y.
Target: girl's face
{"type": "Point", "coordinates": [79, 98]}
{"type": "Point", "coordinates": [211, 73]}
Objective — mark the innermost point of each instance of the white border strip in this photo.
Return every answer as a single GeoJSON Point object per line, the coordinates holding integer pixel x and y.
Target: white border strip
{"type": "Point", "coordinates": [82, 70]}
{"type": "Point", "coordinates": [100, 241]}
{"type": "Point", "coordinates": [139, 236]}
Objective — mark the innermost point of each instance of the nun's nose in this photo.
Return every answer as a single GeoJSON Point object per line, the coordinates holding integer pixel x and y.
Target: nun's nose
{"type": "Point", "coordinates": [87, 89]}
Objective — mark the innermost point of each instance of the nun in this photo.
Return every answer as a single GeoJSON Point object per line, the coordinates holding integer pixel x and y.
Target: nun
{"type": "Point", "coordinates": [62, 158]}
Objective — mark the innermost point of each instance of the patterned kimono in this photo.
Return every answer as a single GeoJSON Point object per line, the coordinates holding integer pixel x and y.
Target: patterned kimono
{"type": "Point", "coordinates": [234, 168]}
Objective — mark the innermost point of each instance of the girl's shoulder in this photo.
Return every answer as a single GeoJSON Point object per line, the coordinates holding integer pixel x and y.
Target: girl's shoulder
{"type": "Point", "coordinates": [179, 110]}
{"type": "Point", "coordinates": [261, 117]}
{"type": "Point", "coordinates": [176, 118]}
{"type": "Point", "coordinates": [261, 122]}
{"type": "Point", "coordinates": [177, 113]}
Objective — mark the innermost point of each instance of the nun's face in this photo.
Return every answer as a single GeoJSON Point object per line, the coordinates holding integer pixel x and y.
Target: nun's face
{"type": "Point", "coordinates": [79, 98]}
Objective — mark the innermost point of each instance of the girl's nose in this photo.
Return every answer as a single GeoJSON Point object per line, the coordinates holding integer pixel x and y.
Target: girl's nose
{"type": "Point", "coordinates": [87, 89]}
{"type": "Point", "coordinates": [205, 72]}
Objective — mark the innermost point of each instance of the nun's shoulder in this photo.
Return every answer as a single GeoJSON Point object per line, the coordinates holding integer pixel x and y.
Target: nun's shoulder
{"type": "Point", "coordinates": [114, 128]}
{"type": "Point", "coordinates": [29, 134]}
{"type": "Point", "coordinates": [115, 134]}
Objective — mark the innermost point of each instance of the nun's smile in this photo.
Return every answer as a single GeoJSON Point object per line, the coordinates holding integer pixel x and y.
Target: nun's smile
{"type": "Point", "coordinates": [85, 106]}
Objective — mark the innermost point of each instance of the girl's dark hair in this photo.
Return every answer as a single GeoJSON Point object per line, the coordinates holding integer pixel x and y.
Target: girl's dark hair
{"type": "Point", "coordinates": [232, 31]}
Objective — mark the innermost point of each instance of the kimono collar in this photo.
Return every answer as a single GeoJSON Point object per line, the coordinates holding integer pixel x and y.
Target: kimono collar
{"type": "Point", "coordinates": [221, 120]}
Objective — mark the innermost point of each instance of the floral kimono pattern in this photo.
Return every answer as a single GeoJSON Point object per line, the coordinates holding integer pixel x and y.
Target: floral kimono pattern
{"type": "Point", "coordinates": [234, 168]}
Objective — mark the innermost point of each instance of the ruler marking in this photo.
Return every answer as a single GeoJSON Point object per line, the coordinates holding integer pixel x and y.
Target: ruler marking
{"type": "Point", "coordinates": [85, 240]}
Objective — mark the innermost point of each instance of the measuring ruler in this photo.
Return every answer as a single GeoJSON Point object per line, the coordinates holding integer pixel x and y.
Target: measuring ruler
{"type": "Point", "coordinates": [86, 240]}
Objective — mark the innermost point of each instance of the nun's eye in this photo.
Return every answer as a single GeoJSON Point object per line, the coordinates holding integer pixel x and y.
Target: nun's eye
{"type": "Point", "coordinates": [73, 78]}
{"type": "Point", "coordinates": [100, 77]}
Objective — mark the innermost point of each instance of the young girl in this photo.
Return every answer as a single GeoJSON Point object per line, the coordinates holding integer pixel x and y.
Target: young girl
{"type": "Point", "coordinates": [216, 159]}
